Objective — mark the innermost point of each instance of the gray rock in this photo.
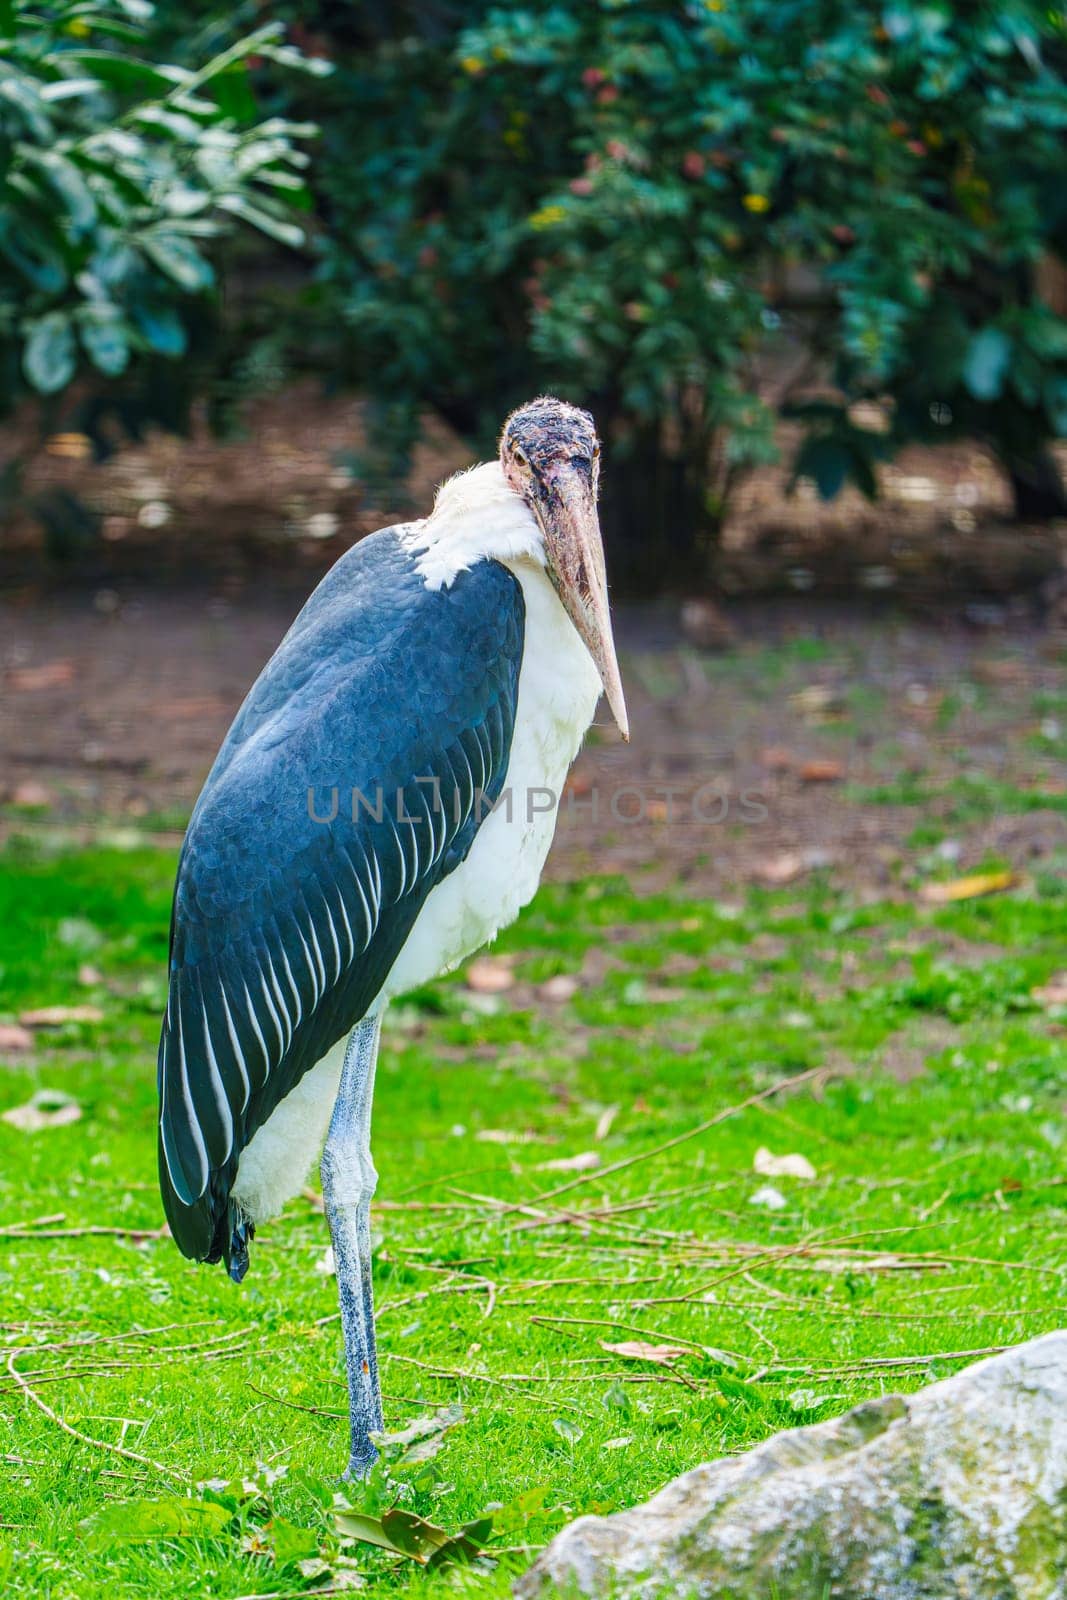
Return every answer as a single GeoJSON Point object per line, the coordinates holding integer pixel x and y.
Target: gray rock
{"type": "Point", "coordinates": [958, 1492]}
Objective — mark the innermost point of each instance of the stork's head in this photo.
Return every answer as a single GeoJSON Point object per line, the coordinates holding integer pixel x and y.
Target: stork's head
{"type": "Point", "coordinates": [550, 455]}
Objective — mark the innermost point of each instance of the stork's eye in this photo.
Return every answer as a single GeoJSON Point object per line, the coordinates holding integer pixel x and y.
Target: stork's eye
{"type": "Point", "coordinates": [520, 456]}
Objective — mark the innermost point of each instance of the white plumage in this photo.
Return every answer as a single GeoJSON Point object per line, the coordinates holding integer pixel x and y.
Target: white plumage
{"type": "Point", "coordinates": [476, 516]}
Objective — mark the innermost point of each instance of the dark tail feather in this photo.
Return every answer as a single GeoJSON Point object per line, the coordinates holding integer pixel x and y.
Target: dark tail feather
{"type": "Point", "coordinates": [240, 1232]}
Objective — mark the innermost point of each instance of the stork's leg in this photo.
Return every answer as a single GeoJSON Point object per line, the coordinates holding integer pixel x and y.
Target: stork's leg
{"type": "Point", "coordinates": [348, 1182]}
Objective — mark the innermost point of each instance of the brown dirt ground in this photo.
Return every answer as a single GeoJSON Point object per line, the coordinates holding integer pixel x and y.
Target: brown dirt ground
{"type": "Point", "coordinates": [113, 708]}
{"type": "Point", "coordinates": [875, 648]}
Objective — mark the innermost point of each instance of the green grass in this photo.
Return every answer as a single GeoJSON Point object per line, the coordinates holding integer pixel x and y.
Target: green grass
{"type": "Point", "coordinates": [934, 1227]}
{"type": "Point", "coordinates": [966, 799]}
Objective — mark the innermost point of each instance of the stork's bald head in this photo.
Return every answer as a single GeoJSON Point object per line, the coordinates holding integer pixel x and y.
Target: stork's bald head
{"type": "Point", "coordinates": [545, 435]}
{"type": "Point", "coordinates": [550, 455]}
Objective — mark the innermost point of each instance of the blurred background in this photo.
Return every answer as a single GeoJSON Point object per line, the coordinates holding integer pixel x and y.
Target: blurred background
{"type": "Point", "coordinates": [267, 277]}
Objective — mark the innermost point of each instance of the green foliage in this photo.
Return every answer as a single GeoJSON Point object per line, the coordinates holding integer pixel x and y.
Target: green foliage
{"type": "Point", "coordinates": [117, 176]}
{"type": "Point", "coordinates": [637, 205]}
{"type": "Point", "coordinates": [934, 1226]}
{"type": "Point", "coordinates": [690, 217]}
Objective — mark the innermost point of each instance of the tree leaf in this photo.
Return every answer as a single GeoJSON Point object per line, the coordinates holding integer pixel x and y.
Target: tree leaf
{"type": "Point", "coordinates": [59, 1016]}
{"type": "Point", "coordinates": [138, 1521]}
{"type": "Point", "coordinates": [369, 1530]}
{"type": "Point", "coordinates": [161, 327]}
{"type": "Point", "coordinates": [788, 1166]}
{"type": "Point", "coordinates": [986, 363]}
{"type": "Point", "coordinates": [421, 1439]}
{"type": "Point", "coordinates": [32, 254]}
{"type": "Point", "coordinates": [126, 72]}
{"type": "Point", "coordinates": [48, 1108]}
{"type": "Point", "coordinates": [638, 1350]}
{"type": "Point", "coordinates": [50, 357]}
{"type": "Point", "coordinates": [405, 1534]}
{"type": "Point", "coordinates": [105, 339]}
{"type": "Point", "coordinates": [179, 258]}
{"type": "Point", "coordinates": [67, 182]}
{"type": "Point", "coordinates": [970, 888]}
{"type": "Point", "coordinates": [273, 226]}
{"type": "Point", "coordinates": [291, 1543]}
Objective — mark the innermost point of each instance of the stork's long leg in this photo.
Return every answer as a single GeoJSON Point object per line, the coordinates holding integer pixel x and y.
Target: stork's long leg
{"type": "Point", "coordinates": [348, 1182]}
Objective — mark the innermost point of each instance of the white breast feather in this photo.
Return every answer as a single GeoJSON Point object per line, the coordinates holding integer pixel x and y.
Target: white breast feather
{"type": "Point", "coordinates": [475, 515]}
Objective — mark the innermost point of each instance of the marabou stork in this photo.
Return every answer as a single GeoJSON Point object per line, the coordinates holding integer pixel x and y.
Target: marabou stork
{"type": "Point", "coordinates": [345, 847]}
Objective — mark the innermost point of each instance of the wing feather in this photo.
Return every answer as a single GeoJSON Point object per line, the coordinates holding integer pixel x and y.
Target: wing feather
{"type": "Point", "coordinates": [286, 920]}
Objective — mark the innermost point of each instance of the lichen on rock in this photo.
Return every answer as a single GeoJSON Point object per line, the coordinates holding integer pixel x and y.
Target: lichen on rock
{"type": "Point", "coordinates": [957, 1492]}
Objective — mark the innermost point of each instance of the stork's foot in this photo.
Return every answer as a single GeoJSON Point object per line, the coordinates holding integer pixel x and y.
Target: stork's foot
{"type": "Point", "coordinates": [360, 1463]}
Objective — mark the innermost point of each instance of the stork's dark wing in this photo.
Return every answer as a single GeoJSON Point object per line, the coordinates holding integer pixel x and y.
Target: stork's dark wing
{"type": "Point", "coordinates": [285, 926]}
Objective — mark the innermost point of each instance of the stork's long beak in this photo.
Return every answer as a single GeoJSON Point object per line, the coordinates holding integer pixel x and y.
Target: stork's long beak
{"type": "Point", "coordinates": [575, 552]}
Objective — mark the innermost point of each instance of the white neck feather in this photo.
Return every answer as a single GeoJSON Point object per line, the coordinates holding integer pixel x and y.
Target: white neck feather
{"type": "Point", "coordinates": [475, 517]}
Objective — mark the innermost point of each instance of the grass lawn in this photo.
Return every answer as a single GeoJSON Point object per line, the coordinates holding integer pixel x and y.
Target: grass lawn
{"type": "Point", "coordinates": [933, 1229]}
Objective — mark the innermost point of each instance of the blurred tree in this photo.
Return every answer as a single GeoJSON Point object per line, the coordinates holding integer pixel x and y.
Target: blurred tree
{"type": "Point", "coordinates": [620, 202]}
{"type": "Point", "coordinates": [916, 150]}
{"type": "Point", "coordinates": [117, 176]}
{"type": "Point", "coordinates": [691, 215]}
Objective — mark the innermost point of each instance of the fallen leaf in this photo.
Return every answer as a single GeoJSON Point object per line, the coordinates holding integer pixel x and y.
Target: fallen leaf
{"type": "Point", "coordinates": [776, 758]}
{"type": "Point", "coordinates": [89, 977]}
{"type": "Point", "coordinates": [790, 1166]}
{"type": "Point", "coordinates": [771, 1199]}
{"type": "Point", "coordinates": [512, 1522]}
{"type": "Point", "coordinates": [561, 987]}
{"type": "Point", "coordinates": [579, 783]}
{"type": "Point", "coordinates": [420, 1428]}
{"type": "Point", "coordinates": [604, 1122]}
{"type": "Point", "coordinates": [49, 675]}
{"type": "Point", "coordinates": [637, 1350]}
{"type": "Point", "coordinates": [314, 1567]}
{"type": "Point", "coordinates": [806, 1400]}
{"type": "Point", "coordinates": [326, 1265]}
{"type": "Point", "coordinates": [340, 1577]}
{"type": "Point", "coordinates": [140, 1521]}
{"type": "Point", "coordinates": [12, 1037]}
{"type": "Point", "coordinates": [404, 1534]}
{"type": "Point", "coordinates": [34, 796]}
{"type": "Point", "coordinates": [490, 975]}
{"type": "Point", "coordinates": [821, 772]}
{"type": "Point", "coordinates": [1053, 993]}
{"type": "Point", "coordinates": [782, 868]}
{"type": "Point", "coordinates": [585, 1162]}
{"type": "Point", "coordinates": [1003, 670]}
{"type": "Point", "coordinates": [970, 888]}
{"type": "Point", "coordinates": [57, 1016]}
{"type": "Point", "coordinates": [568, 1429]}
{"type": "Point", "coordinates": [79, 933]}
{"type": "Point", "coordinates": [504, 1136]}
{"type": "Point", "coordinates": [46, 1109]}
{"type": "Point", "coordinates": [817, 703]}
